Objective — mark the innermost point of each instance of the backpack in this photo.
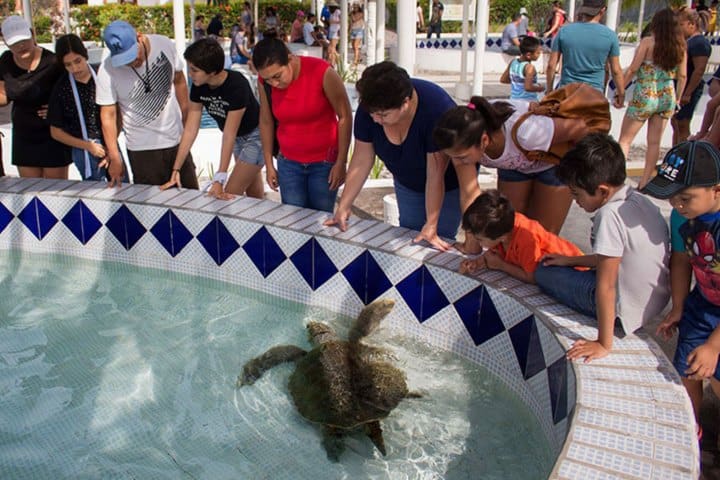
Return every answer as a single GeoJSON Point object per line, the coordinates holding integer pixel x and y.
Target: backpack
{"type": "Point", "coordinates": [551, 19]}
{"type": "Point", "coordinates": [575, 100]}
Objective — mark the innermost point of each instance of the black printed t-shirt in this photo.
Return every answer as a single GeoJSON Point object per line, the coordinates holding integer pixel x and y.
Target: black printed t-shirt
{"type": "Point", "coordinates": [234, 94]}
{"type": "Point", "coordinates": [63, 113]}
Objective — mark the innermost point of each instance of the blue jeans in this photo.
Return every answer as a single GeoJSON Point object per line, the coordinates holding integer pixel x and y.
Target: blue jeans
{"type": "Point", "coordinates": [306, 184]}
{"type": "Point", "coordinates": [574, 288]}
{"type": "Point", "coordinates": [97, 174]}
{"type": "Point", "coordinates": [411, 206]}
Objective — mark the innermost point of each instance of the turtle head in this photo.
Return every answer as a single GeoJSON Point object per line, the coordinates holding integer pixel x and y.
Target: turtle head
{"type": "Point", "coordinates": [319, 332]}
{"type": "Point", "coordinates": [370, 318]}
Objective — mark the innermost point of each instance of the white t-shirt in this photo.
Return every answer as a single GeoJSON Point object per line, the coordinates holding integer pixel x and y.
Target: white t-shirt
{"type": "Point", "coordinates": [630, 226]}
{"type": "Point", "coordinates": [307, 33]}
{"type": "Point", "coordinates": [151, 120]}
{"type": "Point", "coordinates": [535, 133]}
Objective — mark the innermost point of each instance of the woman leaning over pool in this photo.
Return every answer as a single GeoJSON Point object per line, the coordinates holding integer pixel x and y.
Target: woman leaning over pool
{"type": "Point", "coordinates": [395, 121]}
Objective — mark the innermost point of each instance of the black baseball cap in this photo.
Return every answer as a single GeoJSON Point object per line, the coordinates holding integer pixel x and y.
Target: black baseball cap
{"type": "Point", "coordinates": [688, 164]}
{"type": "Point", "coordinates": [591, 7]}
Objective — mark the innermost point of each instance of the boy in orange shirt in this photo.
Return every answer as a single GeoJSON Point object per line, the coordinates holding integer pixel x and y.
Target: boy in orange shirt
{"type": "Point", "coordinates": [515, 244]}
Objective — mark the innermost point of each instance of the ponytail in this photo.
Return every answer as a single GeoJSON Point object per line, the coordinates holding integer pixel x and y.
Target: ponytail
{"type": "Point", "coordinates": [463, 126]}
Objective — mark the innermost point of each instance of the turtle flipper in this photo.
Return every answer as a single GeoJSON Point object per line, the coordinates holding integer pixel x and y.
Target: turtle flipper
{"type": "Point", "coordinates": [369, 319]}
{"type": "Point", "coordinates": [333, 443]}
{"type": "Point", "coordinates": [255, 368]}
{"type": "Point", "coordinates": [374, 431]}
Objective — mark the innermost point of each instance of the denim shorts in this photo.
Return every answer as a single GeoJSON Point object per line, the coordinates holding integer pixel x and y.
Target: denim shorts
{"type": "Point", "coordinates": [699, 320]}
{"type": "Point", "coordinates": [248, 149]}
{"type": "Point", "coordinates": [357, 33]}
{"type": "Point", "coordinates": [546, 177]}
{"type": "Point", "coordinates": [687, 110]}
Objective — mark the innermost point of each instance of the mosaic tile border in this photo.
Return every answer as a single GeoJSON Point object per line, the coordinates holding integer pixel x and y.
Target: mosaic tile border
{"type": "Point", "coordinates": [625, 416]}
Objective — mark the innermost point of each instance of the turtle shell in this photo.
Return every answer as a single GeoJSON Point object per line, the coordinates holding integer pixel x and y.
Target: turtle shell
{"type": "Point", "coordinates": [344, 385]}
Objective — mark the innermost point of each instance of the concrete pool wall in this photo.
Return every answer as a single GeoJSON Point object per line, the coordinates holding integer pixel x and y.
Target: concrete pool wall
{"type": "Point", "coordinates": [625, 416]}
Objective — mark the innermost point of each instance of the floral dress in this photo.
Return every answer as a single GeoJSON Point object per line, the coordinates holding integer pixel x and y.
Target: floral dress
{"type": "Point", "coordinates": [654, 92]}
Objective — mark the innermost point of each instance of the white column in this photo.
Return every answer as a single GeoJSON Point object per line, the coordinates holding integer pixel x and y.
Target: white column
{"type": "Point", "coordinates": [641, 14]}
{"type": "Point", "coordinates": [571, 11]}
{"type": "Point", "coordinates": [343, 32]}
{"type": "Point", "coordinates": [179, 26]}
{"type": "Point", "coordinates": [406, 11]}
{"type": "Point", "coordinates": [27, 13]}
{"type": "Point", "coordinates": [481, 27]}
{"type": "Point", "coordinates": [370, 22]}
{"type": "Point", "coordinates": [462, 89]}
{"type": "Point", "coordinates": [611, 15]}
{"type": "Point", "coordinates": [380, 32]}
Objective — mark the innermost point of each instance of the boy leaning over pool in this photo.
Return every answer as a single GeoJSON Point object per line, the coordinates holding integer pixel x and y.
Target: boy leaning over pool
{"type": "Point", "coordinates": [628, 277]}
{"type": "Point", "coordinates": [690, 179]}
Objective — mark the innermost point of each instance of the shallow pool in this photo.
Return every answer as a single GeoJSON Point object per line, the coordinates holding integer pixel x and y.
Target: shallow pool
{"type": "Point", "coordinates": [112, 371]}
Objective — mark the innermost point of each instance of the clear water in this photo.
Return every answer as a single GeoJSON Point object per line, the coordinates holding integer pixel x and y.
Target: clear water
{"type": "Point", "coordinates": [110, 371]}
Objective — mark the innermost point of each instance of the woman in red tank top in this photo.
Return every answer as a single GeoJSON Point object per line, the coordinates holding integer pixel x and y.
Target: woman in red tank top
{"type": "Point", "coordinates": [307, 101]}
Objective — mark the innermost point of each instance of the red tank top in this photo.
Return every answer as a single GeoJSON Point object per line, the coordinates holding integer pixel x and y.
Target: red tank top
{"type": "Point", "coordinates": [307, 124]}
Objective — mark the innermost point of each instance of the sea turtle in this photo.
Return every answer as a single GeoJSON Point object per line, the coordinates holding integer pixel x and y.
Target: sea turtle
{"type": "Point", "coordinates": [341, 385]}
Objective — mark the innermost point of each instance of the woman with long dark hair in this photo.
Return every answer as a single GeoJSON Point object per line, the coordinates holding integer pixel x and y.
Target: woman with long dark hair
{"type": "Point", "coordinates": [658, 63]}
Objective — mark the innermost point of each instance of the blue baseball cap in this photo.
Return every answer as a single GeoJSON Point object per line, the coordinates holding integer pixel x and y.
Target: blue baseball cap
{"type": "Point", "coordinates": [121, 39]}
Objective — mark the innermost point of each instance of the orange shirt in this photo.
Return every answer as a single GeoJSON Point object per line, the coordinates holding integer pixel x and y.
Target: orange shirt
{"type": "Point", "coordinates": [530, 242]}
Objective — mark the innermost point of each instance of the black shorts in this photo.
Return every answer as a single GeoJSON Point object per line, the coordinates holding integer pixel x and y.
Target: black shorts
{"type": "Point", "coordinates": [154, 167]}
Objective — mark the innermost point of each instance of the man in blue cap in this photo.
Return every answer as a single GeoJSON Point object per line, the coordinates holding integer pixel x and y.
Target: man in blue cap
{"type": "Point", "coordinates": [142, 82]}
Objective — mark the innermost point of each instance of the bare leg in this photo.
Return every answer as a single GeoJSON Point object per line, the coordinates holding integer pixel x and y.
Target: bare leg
{"type": "Point", "coordinates": [245, 179]}
{"type": "Point", "coordinates": [56, 172]}
{"type": "Point", "coordinates": [656, 127]}
{"type": "Point", "coordinates": [332, 52]}
{"type": "Point", "coordinates": [518, 193]}
{"type": "Point", "coordinates": [681, 130]}
{"type": "Point", "coordinates": [30, 172]}
{"type": "Point", "coordinates": [628, 132]}
{"type": "Point", "coordinates": [695, 392]}
{"type": "Point", "coordinates": [549, 205]}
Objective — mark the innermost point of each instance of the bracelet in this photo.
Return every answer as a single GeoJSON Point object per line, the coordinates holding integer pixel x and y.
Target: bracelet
{"type": "Point", "coordinates": [175, 169]}
{"type": "Point", "coordinates": [220, 177]}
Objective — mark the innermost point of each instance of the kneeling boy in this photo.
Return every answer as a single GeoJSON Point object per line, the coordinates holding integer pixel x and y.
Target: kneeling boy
{"type": "Point", "coordinates": [515, 243]}
{"type": "Point", "coordinates": [629, 273]}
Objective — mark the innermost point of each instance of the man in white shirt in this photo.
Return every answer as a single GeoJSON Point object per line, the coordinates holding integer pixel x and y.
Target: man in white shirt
{"type": "Point", "coordinates": [142, 81]}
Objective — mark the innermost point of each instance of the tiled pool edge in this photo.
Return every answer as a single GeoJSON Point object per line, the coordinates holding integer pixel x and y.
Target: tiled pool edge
{"type": "Point", "coordinates": [630, 417]}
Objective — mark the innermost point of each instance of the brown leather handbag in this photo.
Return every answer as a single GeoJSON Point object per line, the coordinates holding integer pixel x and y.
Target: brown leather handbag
{"type": "Point", "coordinates": [575, 100]}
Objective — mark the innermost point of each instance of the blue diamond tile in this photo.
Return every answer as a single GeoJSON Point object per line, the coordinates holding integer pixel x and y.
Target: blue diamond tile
{"type": "Point", "coordinates": [453, 43]}
{"type": "Point", "coordinates": [421, 45]}
{"type": "Point", "coordinates": [125, 227]}
{"type": "Point", "coordinates": [489, 42]}
{"type": "Point", "coordinates": [471, 43]}
{"type": "Point", "coordinates": [444, 43]}
{"type": "Point", "coordinates": [264, 251]}
{"type": "Point", "coordinates": [82, 222]}
{"type": "Point", "coordinates": [366, 277]}
{"type": "Point", "coordinates": [217, 241]}
{"type": "Point", "coordinates": [558, 383]}
{"type": "Point", "coordinates": [37, 218]}
{"type": "Point", "coordinates": [313, 264]}
{"type": "Point", "coordinates": [478, 313]}
{"type": "Point", "coordinates": [498, 42]}
{"type": "Point", "coordinates": [6, 217]}
{"type": "Point", "coordinates": [528, 349]}
{"type": "Point", "coordinates": [436, 44]}
{"type": "Point", "coordinates": [171, 233]}
{"type": "Point", "coordinates": [422, 293]}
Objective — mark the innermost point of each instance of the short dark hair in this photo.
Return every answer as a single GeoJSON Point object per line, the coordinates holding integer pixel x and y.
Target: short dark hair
{"type": "Point", "coordinates": [270, 51]}
{"type": "Point", "coordinates": [491, 215]}
{"type": "Point", "coordinates": [596, 159]}
{"type": "Point", "coordinates": [516, 17]}
{"type": "Point", "coordinates": [383, 86]}
{"type": "Point", "coordinates": [69, 43]}
{"type": "Point", "coordinates": [529, 44]}
{"type": "Point", "coordinates": [206, 54]}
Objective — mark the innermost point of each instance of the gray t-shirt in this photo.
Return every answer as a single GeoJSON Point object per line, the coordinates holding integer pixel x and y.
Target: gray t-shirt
{"type": "Point", "coordinates": [509, 32]}
{"type": "Point", "coordinates": [631, 227]}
